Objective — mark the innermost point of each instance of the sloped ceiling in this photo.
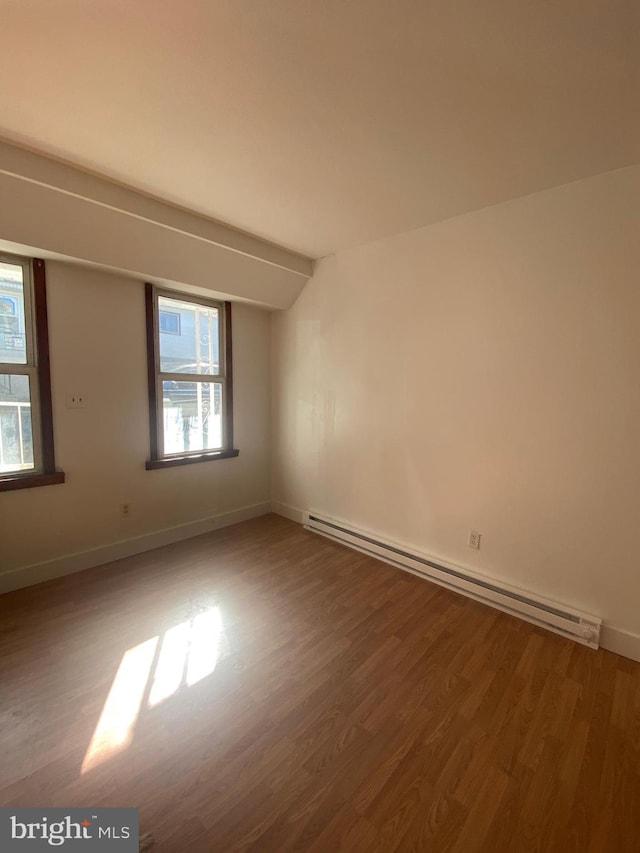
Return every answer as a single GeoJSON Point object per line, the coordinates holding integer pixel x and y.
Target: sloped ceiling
{"type": "Point", "coordinates": [322, 124]}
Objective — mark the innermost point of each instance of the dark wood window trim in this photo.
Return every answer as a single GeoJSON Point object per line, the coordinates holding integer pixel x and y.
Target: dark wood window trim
{"type": "Point", "coordinates": [151, 374]}
{"type": "Point", "coordinates": [174, 461]}
{"type": "Point", "coordinates": [48, 476]}
{"type": "Point", "coordinates": [228, 360]}
{"type": "Point", "coordinates": [156, 462]}
{"type": "Point", "coordinates": [30, 481]}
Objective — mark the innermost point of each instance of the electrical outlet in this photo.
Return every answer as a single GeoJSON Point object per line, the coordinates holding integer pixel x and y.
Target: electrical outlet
{"type": "Point", "coordinates": [125, 510]}
{"type": "Point", "coordinates": [474, 539]}
{"type": "Point", "coordinates": [76, 401]}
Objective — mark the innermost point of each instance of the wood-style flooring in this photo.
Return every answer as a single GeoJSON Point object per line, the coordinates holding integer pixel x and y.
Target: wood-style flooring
{"type": "Point", "coordinates": [352, 706]}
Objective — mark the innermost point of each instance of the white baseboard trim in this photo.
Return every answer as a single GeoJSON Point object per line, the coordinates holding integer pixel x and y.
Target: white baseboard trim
{"type": "Point", "coordinates": [290, 512]}
{"type": "Point", "coordinates": [61, 566]}
{"type": "Point", "coordinates": [614, 640]}
{"type": "Point", "coordinates": [621, 642]}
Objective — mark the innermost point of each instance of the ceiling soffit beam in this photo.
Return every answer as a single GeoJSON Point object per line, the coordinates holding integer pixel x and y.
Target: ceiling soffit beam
{"type": "Point", "coordinates": [62, 210]}
{"type": "Point", "coordinates": [62, 177]}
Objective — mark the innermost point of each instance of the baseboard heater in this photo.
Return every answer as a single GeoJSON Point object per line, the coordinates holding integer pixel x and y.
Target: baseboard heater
{"type": "Point", "coordinates": [577, 626]}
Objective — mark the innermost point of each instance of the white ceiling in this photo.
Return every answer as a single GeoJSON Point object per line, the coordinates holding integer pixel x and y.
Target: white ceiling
{"type": "Point", "coordinates": [321, 124]}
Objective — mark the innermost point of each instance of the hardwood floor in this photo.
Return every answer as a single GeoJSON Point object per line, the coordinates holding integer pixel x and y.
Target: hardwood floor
{"type": "Point", "coordinates": [352, 706]}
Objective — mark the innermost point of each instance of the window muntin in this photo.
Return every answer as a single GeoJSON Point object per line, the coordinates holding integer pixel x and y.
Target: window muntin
{"type": "Point", "coordinates": [190, 390]}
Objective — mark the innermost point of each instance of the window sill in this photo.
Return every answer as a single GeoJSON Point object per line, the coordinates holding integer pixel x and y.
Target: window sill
{"type": "Point", "coordinates": [30, 481]}
{"type": "Point", "coordinates": [173, 461]}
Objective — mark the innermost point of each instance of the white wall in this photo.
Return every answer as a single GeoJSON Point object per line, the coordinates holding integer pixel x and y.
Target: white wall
{"type": "Point", "coordinates": [480, 373]}
{"type": "Point", "coordinates": [97, 342]}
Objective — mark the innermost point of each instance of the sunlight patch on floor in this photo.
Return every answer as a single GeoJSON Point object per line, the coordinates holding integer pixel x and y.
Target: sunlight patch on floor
{"type": "Point", "coordinates": [184, 655]}
{"type": "Point", "coordinates": [169, 670]}
{"type": "Point", "coordinates": [204, 651]}
{"type": "Point", "coordinates": [120, 712]}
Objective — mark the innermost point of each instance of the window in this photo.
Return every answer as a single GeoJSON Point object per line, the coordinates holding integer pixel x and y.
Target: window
{"type": "Point", "coordinates": [169, 322]}
{"type": "Point", "coordinates": [26, 422]}
{"type": "Point", "coordinates": [190, 382]}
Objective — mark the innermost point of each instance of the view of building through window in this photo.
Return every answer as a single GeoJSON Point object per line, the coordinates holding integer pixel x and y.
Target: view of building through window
{"type": "Point", "coordinates": [189, 344]}
{"type": "Point", "coordinates": [16, 436]}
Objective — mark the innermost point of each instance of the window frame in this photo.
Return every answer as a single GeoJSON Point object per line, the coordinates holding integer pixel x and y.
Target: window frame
{"type": "Point", "coordinates": [155, 377]}
{"type": "Point", "coordinates": [37, 368]}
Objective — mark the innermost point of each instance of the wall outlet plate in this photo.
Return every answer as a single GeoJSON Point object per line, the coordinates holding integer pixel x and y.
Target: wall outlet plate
{"type": "Point", "coordinates": [76, 401]}
{"type": "Point", "coordinates": [474, 539]}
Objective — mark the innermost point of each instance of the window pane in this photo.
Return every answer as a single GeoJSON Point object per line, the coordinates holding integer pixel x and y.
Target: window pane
{"type": "Point", "coordinates": [170, 322]}
{"type": "Point", "coordinates": [192, 416]}
{"type": "Point", "coordinates": [16, 439]}
{"type": "Point", "coordinates": [188, 337]}
{"type": "Point", "coordinates": [13, 342]}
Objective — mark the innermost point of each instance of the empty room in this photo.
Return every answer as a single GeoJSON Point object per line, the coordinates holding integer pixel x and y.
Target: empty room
{"type": "Point", "coordinates": [319, 418]}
